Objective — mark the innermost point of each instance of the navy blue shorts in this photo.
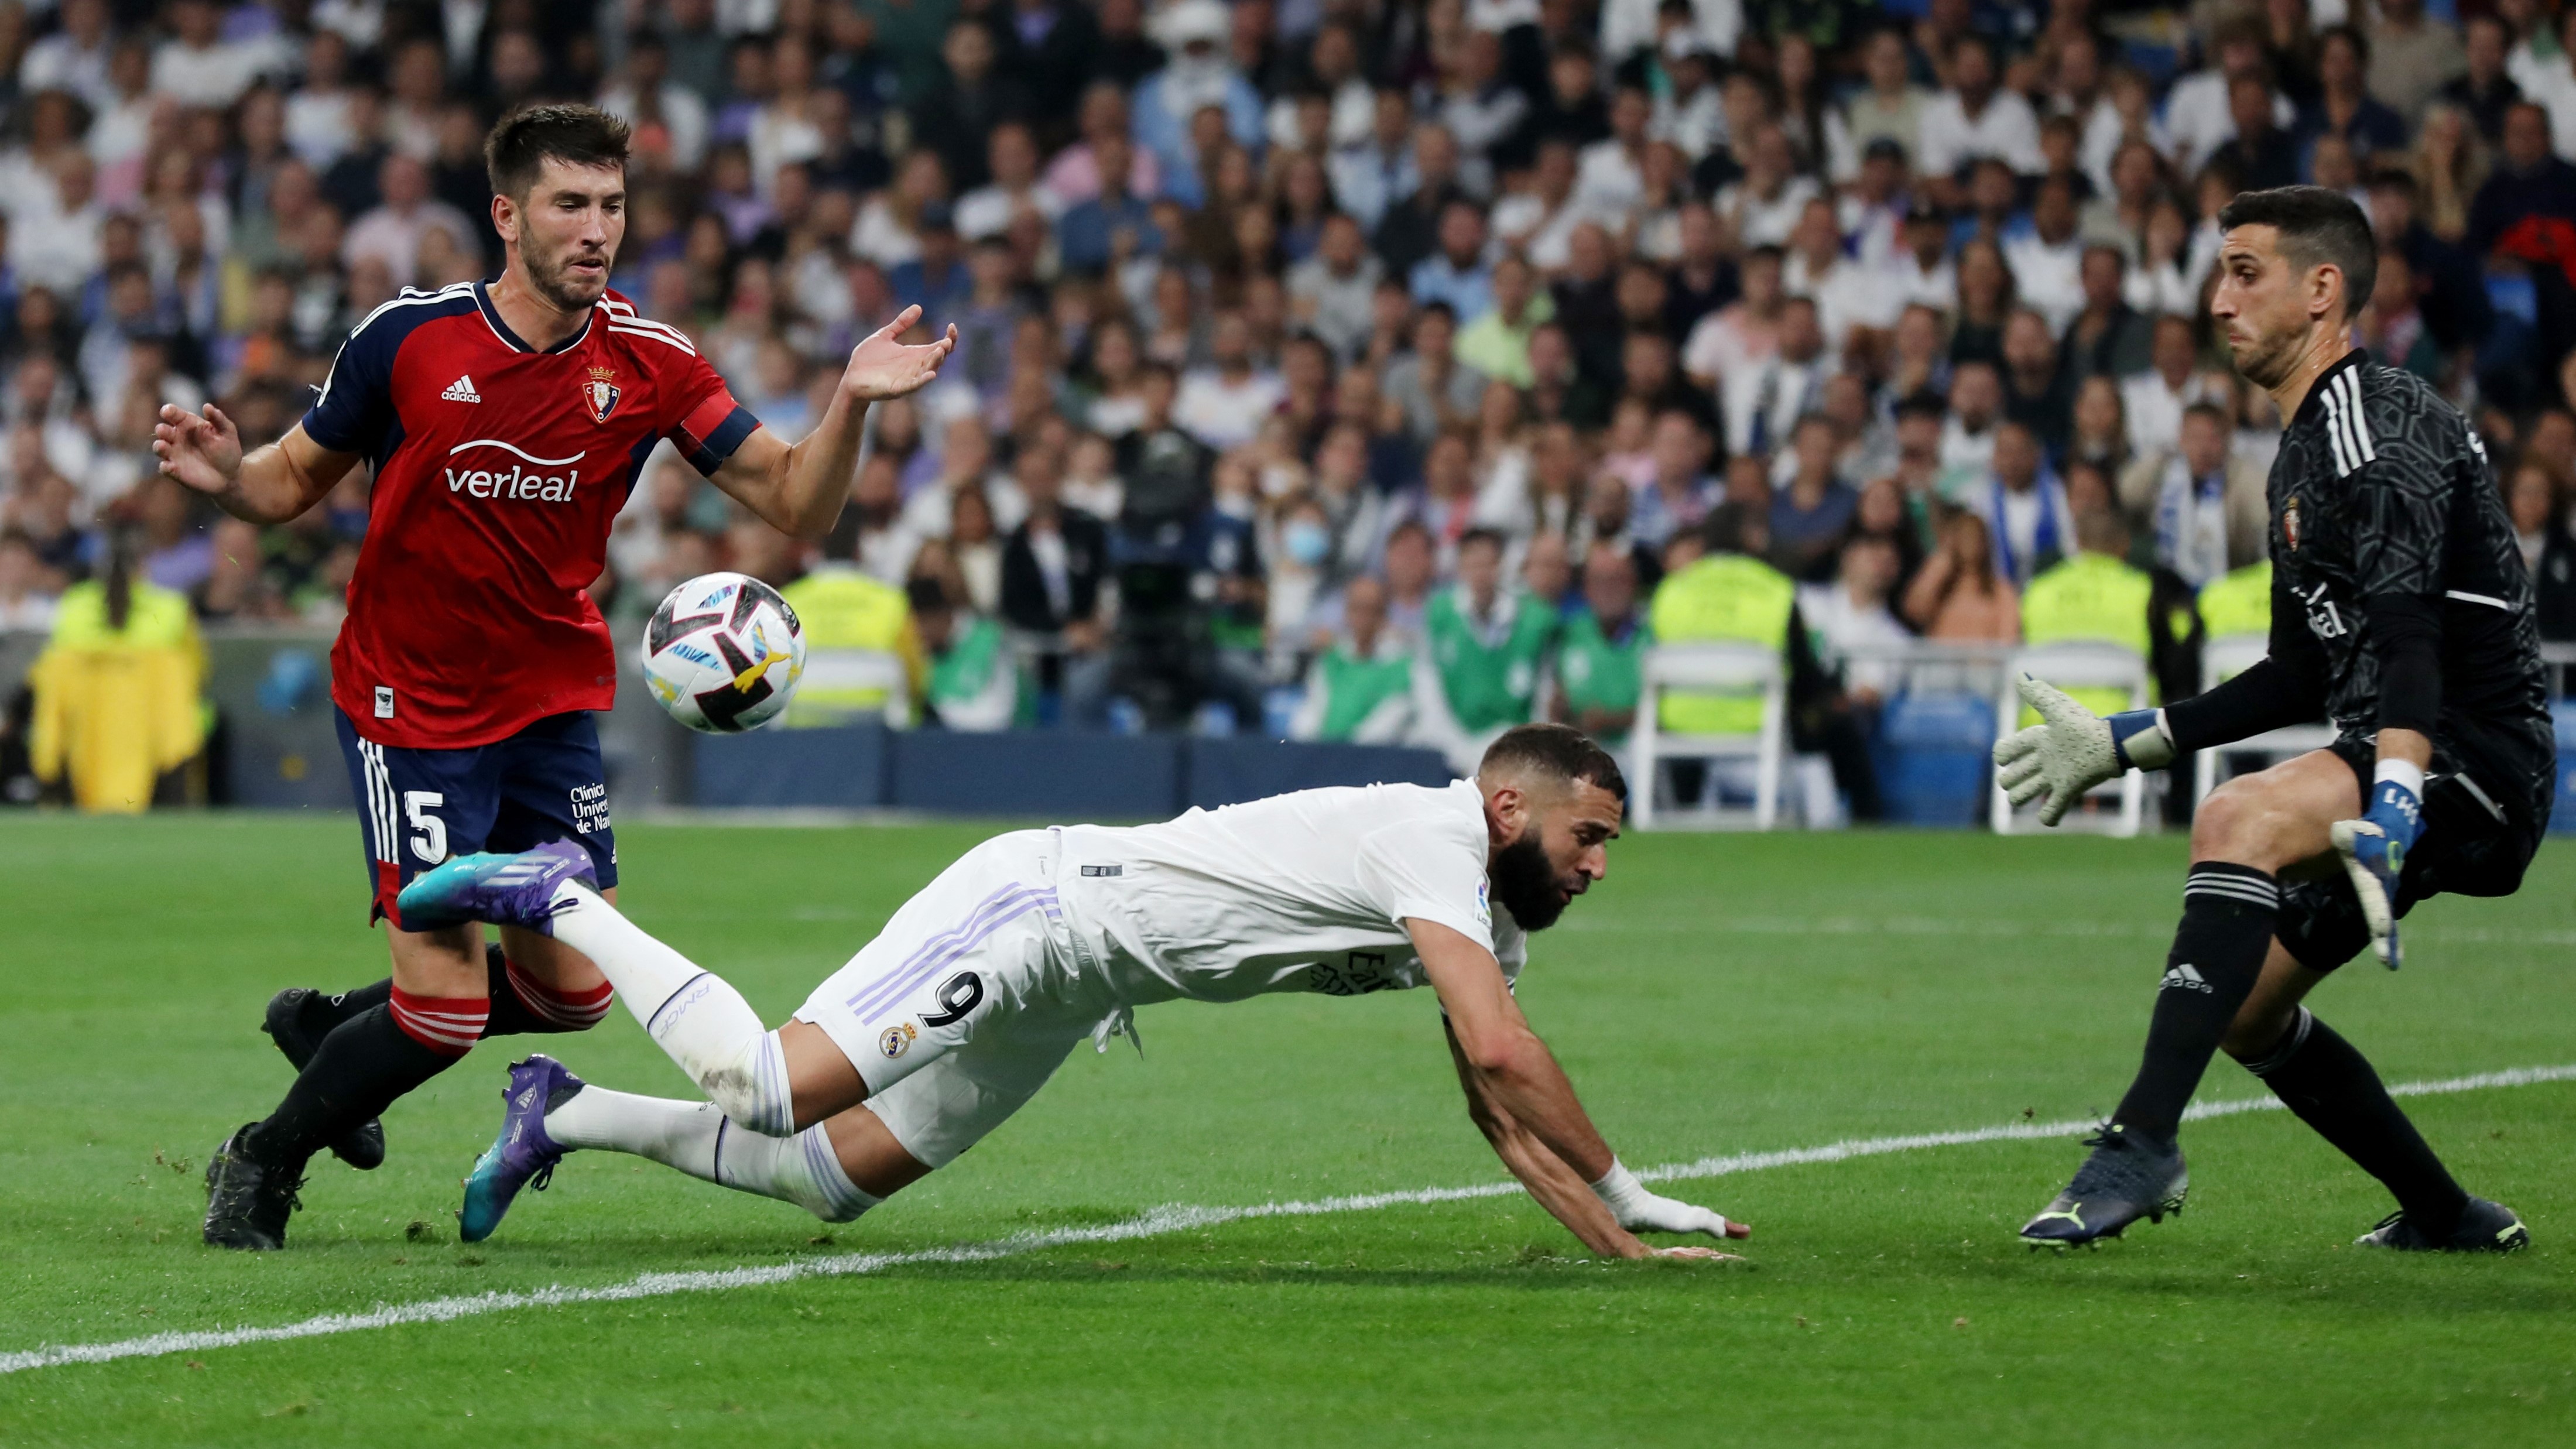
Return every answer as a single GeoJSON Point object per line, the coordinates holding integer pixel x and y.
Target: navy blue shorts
{"type": "Point", "coordinates": [418, 807]}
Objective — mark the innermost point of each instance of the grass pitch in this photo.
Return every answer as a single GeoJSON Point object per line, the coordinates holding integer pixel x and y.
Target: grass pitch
{"type": "Point", "coordinates": [1718, 995]}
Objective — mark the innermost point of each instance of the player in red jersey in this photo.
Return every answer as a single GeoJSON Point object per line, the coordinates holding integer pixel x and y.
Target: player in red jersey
{"type": "Point", "coordinates": [505, 423]}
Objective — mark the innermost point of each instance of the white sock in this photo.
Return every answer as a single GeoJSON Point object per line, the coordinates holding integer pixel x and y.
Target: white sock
{"type": "Point", "coordinates": [703, 1023]}
{"type": "Point", "coordinates": [698, 1139]}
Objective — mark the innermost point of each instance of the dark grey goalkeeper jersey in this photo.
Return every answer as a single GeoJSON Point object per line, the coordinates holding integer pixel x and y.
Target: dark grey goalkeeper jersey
{"type": "Point", "coordinates": [2383, 489]}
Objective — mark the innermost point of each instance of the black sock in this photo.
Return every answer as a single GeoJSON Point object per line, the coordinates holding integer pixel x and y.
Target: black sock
{"type": "Point", "coordinates": [361, 1068]}
{"type": "Point", "coordinates": [324, 1014]}
{"type": "Point", "coordinates": [2330, 1084]}
{"type": "Point", "coordinates": [2218, 950]}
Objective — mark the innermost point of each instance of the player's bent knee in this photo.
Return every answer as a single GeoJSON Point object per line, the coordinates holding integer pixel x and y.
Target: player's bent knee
{"type": "Point", "coordinates": [752, 1088]}
{"type": "Point", "coordinates": [2241, 821]}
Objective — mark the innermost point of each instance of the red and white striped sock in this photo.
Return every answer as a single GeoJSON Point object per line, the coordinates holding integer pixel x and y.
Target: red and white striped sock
{"type": "Point", "coordinates": [447, 1025]}
{"type": "Point", "coordinates": [563, 1010]}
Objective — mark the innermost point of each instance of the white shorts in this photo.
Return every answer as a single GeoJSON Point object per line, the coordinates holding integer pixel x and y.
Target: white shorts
{"type": "Point", "coordinates": [967, 1001]}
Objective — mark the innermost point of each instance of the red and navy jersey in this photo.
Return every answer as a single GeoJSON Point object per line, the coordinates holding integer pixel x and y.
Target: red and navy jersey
{"type": "Point", "coordinates": [498, 471]}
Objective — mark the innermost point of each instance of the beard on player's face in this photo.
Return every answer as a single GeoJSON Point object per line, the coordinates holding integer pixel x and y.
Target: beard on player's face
{"type": "Point", "coordinates": [1527, 884]}
{"type": "Point", "coordinates": [555, 278]}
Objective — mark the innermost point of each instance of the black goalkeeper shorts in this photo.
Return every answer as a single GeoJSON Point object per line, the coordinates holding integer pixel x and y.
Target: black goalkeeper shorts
{"type": "Point", "coordinates": [2486, 806]}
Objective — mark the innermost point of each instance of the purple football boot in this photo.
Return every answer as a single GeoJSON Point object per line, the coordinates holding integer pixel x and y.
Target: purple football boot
{"type": "Point", "coordinates": [505, 890]}
{"type": "Point", "coordinates": [523, 1155]}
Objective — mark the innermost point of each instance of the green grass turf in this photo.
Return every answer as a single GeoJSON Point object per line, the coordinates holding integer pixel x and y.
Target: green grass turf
{"type": "Point", "coordinates": [1717, 995]}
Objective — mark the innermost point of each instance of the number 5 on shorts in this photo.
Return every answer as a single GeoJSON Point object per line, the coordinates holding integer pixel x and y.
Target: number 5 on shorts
{"type": "Point", "coordinates": [431, 843]}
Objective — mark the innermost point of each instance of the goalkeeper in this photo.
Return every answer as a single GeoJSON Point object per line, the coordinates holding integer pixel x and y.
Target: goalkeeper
{"type": "Point", "coordinates": [2401, 612]}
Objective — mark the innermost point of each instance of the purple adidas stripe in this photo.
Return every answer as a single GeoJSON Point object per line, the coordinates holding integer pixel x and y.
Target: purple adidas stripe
{"type": "Point", "coordinates": [1003, 905]}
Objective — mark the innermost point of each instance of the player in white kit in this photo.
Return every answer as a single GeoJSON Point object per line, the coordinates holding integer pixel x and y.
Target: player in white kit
{"type": "Point", "coordinates": [977, 989]}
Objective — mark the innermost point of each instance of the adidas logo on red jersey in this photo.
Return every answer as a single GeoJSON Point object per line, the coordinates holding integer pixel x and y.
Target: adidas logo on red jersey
{"type": "Point", "coordinates": [462, 390]}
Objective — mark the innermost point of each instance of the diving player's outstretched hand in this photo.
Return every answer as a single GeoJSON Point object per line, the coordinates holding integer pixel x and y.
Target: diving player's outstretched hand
{"type": "Point", "coordinates": [205, 453]}
{"type": "Point", "coordinates": [2374, 851]}
{"type": "Point", "coordinates": [883, 367]}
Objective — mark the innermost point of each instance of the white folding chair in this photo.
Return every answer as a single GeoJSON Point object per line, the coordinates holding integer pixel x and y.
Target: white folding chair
{"type": "Point", "coordinates": [1727, 668]}
{"type": "Point", "coordinates": [846, 672]}
{"type": "Point", "coordinates": [2075, 666]}
{"type": "Point", "coordinates": [2221, 660]}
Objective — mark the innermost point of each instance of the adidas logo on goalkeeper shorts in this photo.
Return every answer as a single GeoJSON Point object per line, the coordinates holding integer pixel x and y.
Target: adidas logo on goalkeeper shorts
{"type": "Point", "coordinates": [2185, 976]}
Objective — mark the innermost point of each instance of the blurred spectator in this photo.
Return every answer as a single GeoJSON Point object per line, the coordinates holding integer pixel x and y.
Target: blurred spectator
{"type": "Point", "coordinates": [27, 587]}
{"type": "Point", "coordinates": [1485, 646]}
{"type": "Point", "coordinates": [1848, 615]}
{"type": "Point", "coordinates": [1359, 690]}
{"type": "Point", "coordinates": [2024, 506]}
{"type": "Point", "coordinates": [2409, 58]}
{"type": "Point", "coordinates": [2529, 203]}
{"type": "Point", "coordinates": [1052, 571]}
{"type": "Point", "coordinates": [842, 608]}
{"type": "Point", "coordinates": [2206, 506]}
{"type": "Point", "coordinates": [1960, 595]}
{"type": "Point", "coordinates": [1974, 119]}
{"type": "Point", "coordinates": [2092, 596]}
{"type": "Point", "coordinates": [2533, 499]}
{"type": "Point", "coordinates": [970, 682]}
{"type": "Point", "coordinates": [1599, 668]}
{"type": "Point", "coordinates": [1810, 517]}
{"type": "Point", "coordinates": [2346, 107]}
{"type": "Point", "coordinates": [2482, 86]}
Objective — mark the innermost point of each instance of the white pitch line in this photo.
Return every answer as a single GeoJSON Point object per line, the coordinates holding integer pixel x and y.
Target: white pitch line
{"type": "Point", "coordinates": [1157, 1222]}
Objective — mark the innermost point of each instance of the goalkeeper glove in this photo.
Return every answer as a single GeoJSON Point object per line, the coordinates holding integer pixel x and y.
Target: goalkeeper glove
{"type": "Point", "coordinates": [2072, 749]}
{"type": "Point", "coordinates": [1640, 1211]}
{"type": "Point", "coordinates": [2374, 850]}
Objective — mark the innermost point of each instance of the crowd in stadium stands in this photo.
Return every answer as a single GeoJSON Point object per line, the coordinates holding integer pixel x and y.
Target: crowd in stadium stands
{"type": "Point", "coordinates": [1423, 356]}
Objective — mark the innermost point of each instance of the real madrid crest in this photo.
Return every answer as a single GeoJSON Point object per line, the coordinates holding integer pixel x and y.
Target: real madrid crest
{"type": "Point", "coordinates": [2290, 522]}
{"type": "Point", "coordinates": [600, 393]}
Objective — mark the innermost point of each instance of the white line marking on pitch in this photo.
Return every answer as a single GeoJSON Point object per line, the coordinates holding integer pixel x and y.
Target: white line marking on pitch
{"type": "Point", "coordinates": [1156, 1222]}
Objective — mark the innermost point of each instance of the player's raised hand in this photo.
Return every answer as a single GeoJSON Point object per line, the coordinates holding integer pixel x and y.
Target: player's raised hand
{"type": "Point", "coordinates": [204, 453]}
{"type": "Point", "coordinates": [882, 366]}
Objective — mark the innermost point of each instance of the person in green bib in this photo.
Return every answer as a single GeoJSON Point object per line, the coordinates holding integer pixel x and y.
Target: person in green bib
{"type": "Point", "coordinates": [972, 682]}
{"type": "Point", "coordinates": [1484, 647]}
{"type": "Point", "coordinates": [1598, 662]}
{"type": "Point", "coordinates": [1360, 689]}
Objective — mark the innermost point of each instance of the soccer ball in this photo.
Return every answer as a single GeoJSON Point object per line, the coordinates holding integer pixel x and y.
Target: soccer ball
{"type": "Point", "coordinates": [723, 653]}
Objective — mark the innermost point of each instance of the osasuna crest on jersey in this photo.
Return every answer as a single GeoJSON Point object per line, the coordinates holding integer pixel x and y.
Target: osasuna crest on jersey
{"type": "Point", "coordinates": [600, 393]}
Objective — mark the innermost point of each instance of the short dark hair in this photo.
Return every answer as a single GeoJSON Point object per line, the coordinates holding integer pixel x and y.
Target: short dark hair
{"type": "Point", "coordinates": [525, 140]}
{"type": "Point", "coordinates": [2317, 225]}
{"type": "Point", "coordinates": [1480, 535]}
{"type": "Point", "coordinates": [1560, 750]}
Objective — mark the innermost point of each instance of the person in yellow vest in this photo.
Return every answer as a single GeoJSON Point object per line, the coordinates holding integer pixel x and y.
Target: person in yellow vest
{"type": "Point", "coordinates": [119, 704]}
{"type": "Point", "coordinates": [2239, 602]}
{"type": "Point", "coordinates": [2094, 596]}
{"type": "Point", "coordinates": [842, 607]}
{"type": "Point", "coordinates": [1727, 594]}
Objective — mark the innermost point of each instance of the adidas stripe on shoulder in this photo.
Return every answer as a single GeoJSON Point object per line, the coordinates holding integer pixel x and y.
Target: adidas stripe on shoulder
{"type": "Point", "coordinates": [414, 297]}
{"type": "Point", "coordinates": [2347, 428]}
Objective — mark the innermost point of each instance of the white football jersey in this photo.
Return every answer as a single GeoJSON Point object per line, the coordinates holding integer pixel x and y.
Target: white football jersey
{"type": "Point", "coordinates": [1300, 892]}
